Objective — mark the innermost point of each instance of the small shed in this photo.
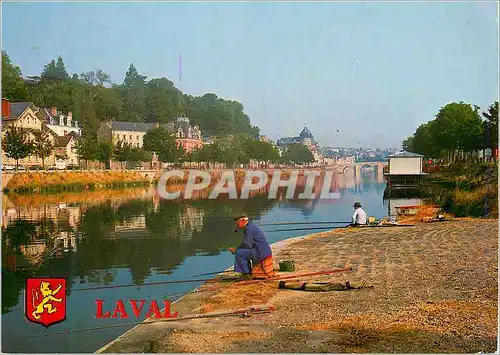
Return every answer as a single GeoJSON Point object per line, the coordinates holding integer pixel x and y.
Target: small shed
{"type": "Point", "coordinates": [405, 163]}
{"type": "Point", "coordinates": [405, 169]}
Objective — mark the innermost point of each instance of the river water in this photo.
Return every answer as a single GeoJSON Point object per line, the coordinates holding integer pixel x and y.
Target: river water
{"type": "Point", "coordinates": [106, 238]}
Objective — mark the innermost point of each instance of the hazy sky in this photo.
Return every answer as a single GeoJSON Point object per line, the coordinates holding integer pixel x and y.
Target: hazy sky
{"type": "Point", "coordinates": [374, 71]}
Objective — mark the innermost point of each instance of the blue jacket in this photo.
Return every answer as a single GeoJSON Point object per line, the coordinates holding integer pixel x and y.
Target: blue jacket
{"type": "Point", "coordinates": [255, 239]}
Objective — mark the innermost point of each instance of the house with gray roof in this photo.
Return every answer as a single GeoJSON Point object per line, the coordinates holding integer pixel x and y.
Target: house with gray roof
{"type": "Point", "coordinates": [133, 132]}
{"type": "Point", "coordinates": [60, 122]}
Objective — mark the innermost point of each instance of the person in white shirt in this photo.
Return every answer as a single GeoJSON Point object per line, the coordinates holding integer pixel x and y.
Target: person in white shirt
{"type": "Point", "coordinates": [359, 216]}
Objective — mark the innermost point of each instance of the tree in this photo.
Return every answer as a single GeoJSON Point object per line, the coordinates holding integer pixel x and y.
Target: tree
{"type": "Point", "coordinates": [133, 96]}
{"type": "Point", "coordinates": [408, 144]}
{"type": "Point", "coordinates": [122, 152]}
{"type": "Point", "coordinates": [259, 150]}
{"type": "Point", "coordinates": [491, 126]}
{"type": "Point", "coordinates": [137, 155]}
{"type": "Point", "coordinates": [43, 147]}
{"type": "Point", "coordinates": [86, 149]}
{"type": "Point", "coordinates": [17, 144]}
{"type": "Point", "coordinates": [161, 142]}
{"type": "Point", "coordinates": [55, 71]}
{"type": "Point", "coordinates": [132, 77]}
{"type": "Point", "coordinates": [13, 87]}
{"type": "Point", "coordinates": [297, 153]}
{"type": "Point", "coordinates": [96, 78]}
{"type": "Point", "coordinates": [62, 74]}
{"type": "Point", "coordinates": [163, 100]}
{"type": "Point", "coordinates": [105, 152]}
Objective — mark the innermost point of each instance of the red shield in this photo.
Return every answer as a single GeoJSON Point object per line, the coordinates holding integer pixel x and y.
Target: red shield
{"type": "Point", "coordinates": [45, 300]}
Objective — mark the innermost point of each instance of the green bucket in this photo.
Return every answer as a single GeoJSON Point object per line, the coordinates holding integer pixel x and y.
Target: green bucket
{"type": "Point", "coordinates": [287, 265]}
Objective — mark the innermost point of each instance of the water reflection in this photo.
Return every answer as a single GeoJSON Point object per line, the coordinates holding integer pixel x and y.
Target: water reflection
{"type": "Point", "coordinates": [117, 237]}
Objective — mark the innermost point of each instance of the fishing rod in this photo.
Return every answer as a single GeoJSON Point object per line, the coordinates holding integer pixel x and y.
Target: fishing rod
{"type": "Point", "coordinates": [285, 223]}
{"type": "Point", "coordinates": [305, 229]}
{"type": "Point", "coordinates": [145, 284]}
{"type": "Point", "coordinates": [242, 312]}
{"type": "Point", "coordinates": [249, 282]}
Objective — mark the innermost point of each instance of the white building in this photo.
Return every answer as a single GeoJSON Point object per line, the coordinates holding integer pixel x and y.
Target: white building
{"type": "Point", "coordinates": [405, 169]}
{"type": "Point", "coordinates": [60, 123]}
{"type": "Point", "coordinates": [405, 163]}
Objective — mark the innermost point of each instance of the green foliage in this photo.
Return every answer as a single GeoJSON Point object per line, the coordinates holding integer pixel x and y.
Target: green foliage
{"type": "Point", "coordinates": [43, 147]}
{"type": "Point", "coordinates": [17, 144]}
{"type": "Point", "coordinates": [161, 142]}
{"type": "Point", "coordinates": [122, 151]}
{"type": "Point", "coordinates": [139, 155]}
{"type": "Point", "coordinates": [55, 71]}
{"type": "Point", "coordinates": [456, 132]}
{"type": "Point", "coordinates": [491, 126]}
{"type": "Point", "coordinates": [297, 153]}
{"type": "Point", "coordinates": [105, 152]}
{"type": "Point", "coordinates": [93, 98]}
{"type": "Point", "coordinates": [261, 151]}
{"type": "Point", "coordinates": [13, 87]}
{"type": "Point", "coordinates": [86, 148]}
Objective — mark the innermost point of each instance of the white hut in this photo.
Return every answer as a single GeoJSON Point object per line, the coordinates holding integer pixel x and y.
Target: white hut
{"type": "Point", "coordinates": [405, 169]}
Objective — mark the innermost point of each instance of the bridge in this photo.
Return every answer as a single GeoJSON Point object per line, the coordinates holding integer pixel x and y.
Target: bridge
{"type": "Point", "coordinates": [357, 168]}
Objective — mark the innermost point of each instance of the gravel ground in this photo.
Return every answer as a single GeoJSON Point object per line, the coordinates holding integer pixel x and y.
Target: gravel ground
{"type": "Point", "coordinates": [435, 291]}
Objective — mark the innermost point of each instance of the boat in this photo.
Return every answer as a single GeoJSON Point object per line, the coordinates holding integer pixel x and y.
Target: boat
{"type": "Point", "coordinates": [413, 210]}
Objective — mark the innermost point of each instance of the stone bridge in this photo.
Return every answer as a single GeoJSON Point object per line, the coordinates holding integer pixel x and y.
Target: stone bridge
{"type": "Point", "coordinates": [358, 167]}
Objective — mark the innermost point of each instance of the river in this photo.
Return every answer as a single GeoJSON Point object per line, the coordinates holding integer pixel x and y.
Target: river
{"type": "Point", "coordinates": [132, 237]}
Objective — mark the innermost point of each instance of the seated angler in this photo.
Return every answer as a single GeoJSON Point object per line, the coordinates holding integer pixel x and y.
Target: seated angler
{"type": "Point", "coordinates": [359, 216]}
{"type": "Point", "coordinates": [254, 248]}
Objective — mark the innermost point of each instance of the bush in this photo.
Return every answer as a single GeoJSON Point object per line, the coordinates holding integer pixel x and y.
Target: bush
{"type": "Point", "coordinates": [480, 202]}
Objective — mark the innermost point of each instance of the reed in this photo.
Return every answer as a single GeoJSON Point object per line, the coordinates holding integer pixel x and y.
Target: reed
{"type": "Point", "coordinates": [56, 182]}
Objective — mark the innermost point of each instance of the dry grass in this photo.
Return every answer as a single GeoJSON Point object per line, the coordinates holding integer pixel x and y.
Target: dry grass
{"type": "Point", "coordinates": [233, 297]}
{"type": "Point", "coordinates": [424, 213]}
{"type": "Point", "coordinates": [441, 317]}
{"type": "Point", "coordinates": [38, 181]}
{"type": "Point", "coordinates": [193, 341]}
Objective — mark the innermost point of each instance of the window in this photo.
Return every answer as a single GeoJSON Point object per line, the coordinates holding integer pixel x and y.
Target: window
{"type": "Point", "coordinates": [130, 137]}
{"type": "Point", "coordinates": [65, 133]}
{"type": "Point", "coordinates": [137, 137]}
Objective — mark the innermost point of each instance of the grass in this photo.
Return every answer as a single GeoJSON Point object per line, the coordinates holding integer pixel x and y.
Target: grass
{"type": "Point", "coordinates": [74, 181]}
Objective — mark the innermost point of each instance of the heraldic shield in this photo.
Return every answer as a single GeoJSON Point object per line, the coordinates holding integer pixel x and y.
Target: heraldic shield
{"type": "Point", "coordinates": [45, 300]}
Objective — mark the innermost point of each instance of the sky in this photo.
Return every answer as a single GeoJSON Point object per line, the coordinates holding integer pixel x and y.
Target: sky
{"type": "Point", "coordinates": [374, 71]}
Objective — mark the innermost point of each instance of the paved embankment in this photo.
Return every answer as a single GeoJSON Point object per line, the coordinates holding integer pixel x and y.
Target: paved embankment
{"type": "Point", "coordinates": [435, 290]}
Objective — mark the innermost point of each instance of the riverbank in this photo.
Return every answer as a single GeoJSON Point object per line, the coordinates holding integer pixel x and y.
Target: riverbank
{"type": "Point", "coordinates": [466, 190]}
{"type": "Point", "coordinates": [69, 181]}
{"type": "Point", "coordinates": [53, 182]}
{"type": "Point", "coordinates": [435, 290]}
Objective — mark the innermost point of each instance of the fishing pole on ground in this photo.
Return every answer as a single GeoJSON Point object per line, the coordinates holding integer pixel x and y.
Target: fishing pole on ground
{"type": "Point", "coordinates": [186, 281]}
{"type": "Point", "coordinates": [249, 282]}
{"type": "Point", "coordinates": [242, 313]}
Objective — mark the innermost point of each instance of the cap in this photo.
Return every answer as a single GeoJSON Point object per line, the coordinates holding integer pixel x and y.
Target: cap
{"type": "Point", "coordinates": [357, 204]}
{"type": "Point", "coordinates": [240, 216]}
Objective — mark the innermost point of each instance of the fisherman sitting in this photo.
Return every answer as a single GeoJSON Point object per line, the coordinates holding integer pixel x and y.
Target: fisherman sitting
{"type": "Point", "coordinates": [254, 248]}
{"type": "Point", "coordinates": [359, 216]}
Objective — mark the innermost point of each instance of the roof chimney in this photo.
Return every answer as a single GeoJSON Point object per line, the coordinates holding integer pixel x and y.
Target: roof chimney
{"type": "Point", "coordinates": [5, 108]}
{"type": "Point", "coordinates": [53, 111]}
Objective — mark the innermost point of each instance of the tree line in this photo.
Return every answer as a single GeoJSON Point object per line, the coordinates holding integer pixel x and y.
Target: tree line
{"type": "Point", "coordinates": [457, 133]}
{"type": "Point", "coordinates": [231, 150]}
{"type": "Point", "coordinates": [93, 98]}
